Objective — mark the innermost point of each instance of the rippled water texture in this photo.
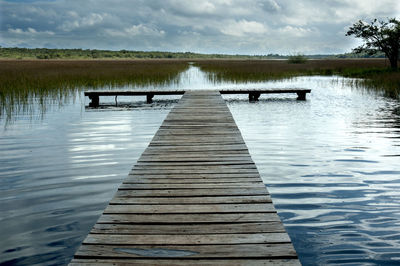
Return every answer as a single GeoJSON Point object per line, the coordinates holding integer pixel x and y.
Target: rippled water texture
{"type": "Point", "coordinates": [331, 164]}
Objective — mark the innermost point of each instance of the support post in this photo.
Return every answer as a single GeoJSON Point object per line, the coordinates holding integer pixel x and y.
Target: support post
{"type": "Point", "coordinates": [95, 101]}
{"type": "Point", "coordinates": [301, 96]}
{"type": "Point", "coordinates": [253, 96]}
{"type": "Point", "coordinates": [149, 97]}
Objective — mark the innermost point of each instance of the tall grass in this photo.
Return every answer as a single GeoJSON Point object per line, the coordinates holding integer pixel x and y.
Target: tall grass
{"type": "Point", "coordinates": [297, 59]}
{"type": "Point", "coordinates": [24, 83]}
{"type": "Point", "coordinates": [374, 72]}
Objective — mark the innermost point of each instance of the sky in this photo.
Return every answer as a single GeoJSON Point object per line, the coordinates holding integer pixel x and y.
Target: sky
{"type": "Point", "coordinates": [211, 26]}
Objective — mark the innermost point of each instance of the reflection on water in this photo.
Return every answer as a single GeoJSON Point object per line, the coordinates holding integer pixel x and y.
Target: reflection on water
{"type": "Point", "coordinates": [330, 163]}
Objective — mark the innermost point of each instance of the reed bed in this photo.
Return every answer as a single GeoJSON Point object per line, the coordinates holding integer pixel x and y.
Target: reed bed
{"type": "Point", "coordinates": [25, 82]}
{"type": "Point", "coordinates": [374, 72]}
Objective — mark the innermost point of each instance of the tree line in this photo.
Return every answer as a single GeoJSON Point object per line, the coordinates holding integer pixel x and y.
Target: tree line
{"type": "Point", "coordinates": [45, 53]}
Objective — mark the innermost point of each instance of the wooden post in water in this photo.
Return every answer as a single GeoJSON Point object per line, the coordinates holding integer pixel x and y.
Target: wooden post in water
{"type": "Point", "coordinates": [301, 95]}
{"type": "Point", "coordinates": [253, 96]}
{"type": "Point", "coordinates": [149, 97]}
{"type": "Point", "coordinates": [95, 101]}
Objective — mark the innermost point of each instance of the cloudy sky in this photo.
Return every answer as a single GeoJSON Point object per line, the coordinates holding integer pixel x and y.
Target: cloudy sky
{"type": "Point", "coordinates": [209, 26]}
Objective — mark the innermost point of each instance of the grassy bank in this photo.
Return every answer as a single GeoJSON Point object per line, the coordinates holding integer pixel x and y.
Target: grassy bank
{"type": "Point", "coordinates": [23, 82]}
{"type": "Point", "coordinates": [375, 72]}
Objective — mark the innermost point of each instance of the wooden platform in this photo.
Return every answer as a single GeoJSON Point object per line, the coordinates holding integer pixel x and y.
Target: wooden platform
{"type": "Point", "coordinates": [195, 197]}
{"type": "Point", "coordinates": [254, 94]}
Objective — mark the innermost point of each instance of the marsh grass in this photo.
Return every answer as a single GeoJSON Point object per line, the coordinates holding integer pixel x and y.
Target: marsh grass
{"type": "Point", "coordinates": [297, 59]}
{"type": "Point", "coordinates": [373, 73]}
{"type": "Point", "coordinates": [28, 83]}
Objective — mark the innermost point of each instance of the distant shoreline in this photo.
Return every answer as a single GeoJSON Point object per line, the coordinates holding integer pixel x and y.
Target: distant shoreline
{"type": "Point", "coordinates": [87, 54]}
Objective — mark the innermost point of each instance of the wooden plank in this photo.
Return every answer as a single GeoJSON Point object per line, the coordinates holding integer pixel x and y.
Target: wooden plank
{"type": "Point", "coordinates": [188, 239]}
{"type": "Point", "coordinates": [192, 208]}
{"type": "Point", "coordinates": [194, 197]}
{"type": "Point", "coordinates": [201, 176]}
{"type": "Point", "coordinates": [198, 192]}
{"type": "Point", "coordinates": [166, 171]}
{"type": "Point", "coordinates": [185, 262]}
{"type": "Point", "coordinates": [195, 251]}
{"type": "Point", "coordinates": [191, 200]}
{"type": "Point", "coordinates": [183, 158]}
{"type": "Point", "coordinates": [126, 186]}
{"type": "Point", "coordinates": [183, 229]}
{"type": "Point", "coordinates": [191, 164]}
{"type": "Point", "coordinates": [218, 180]}
{"type": "Point", "coordinates": [198, 218]}
{"type": "Point", "coordinates": [238, 166]}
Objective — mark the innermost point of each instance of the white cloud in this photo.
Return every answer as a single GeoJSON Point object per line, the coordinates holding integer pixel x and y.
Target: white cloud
{"type": "Point", "coordinates": [88, 21]}
{"type": "Point", "coordinates": [29, 31]}
{"type": "Point", "coordinates": [136, 30]}
{"type": "Point", "coordinates": [243, 27]}
{"type": "Point", "coordinates": [297, 31]}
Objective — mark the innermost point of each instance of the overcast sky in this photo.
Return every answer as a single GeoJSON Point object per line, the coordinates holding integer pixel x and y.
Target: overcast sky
{"type": "Point", "coordinates": [213, 26]}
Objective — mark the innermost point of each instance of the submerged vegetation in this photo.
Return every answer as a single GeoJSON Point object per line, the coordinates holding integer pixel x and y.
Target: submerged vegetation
{"type": "Point", "coordinates": [23, 82]}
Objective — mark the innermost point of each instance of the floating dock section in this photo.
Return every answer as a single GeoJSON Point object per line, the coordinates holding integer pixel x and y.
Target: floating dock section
{"type": "Point", "coordinates": [195, 197]}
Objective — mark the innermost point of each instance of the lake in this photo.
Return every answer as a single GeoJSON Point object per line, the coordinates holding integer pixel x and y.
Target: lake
{"type": "Point", "coordinates": [331, 164]}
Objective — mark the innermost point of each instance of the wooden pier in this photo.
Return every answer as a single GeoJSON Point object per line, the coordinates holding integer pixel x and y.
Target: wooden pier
{"type": "Point", "coordinates": [195, 197]}
{"type": "Point", "coordinates": [254, 94]}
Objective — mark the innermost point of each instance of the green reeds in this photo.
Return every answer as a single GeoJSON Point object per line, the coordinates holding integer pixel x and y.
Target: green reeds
{"type": "Point", "coordinates": [24, 83]}
{"type": "Point", "coordinates": [374, 72]}
{"type": "Point", "coordinates": [297, 59]}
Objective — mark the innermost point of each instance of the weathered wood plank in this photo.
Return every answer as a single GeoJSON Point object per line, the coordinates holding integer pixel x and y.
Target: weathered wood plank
{"type": "Point", "coordinates": [198, 218]}
{"type": "Point", "coordinates": [191, 192]}
{"type": "Point", "coordinates": [146, 180]}
{"type": "Point", "coordinates": [166, 171]}
{"type": "Point", "coordinates": [185, 262]}
{"type": "Point", "coordinates": [191, 200]}
{"type": "Point", "coordinates": [184, 229]}
{"type": "Point", "coordinates": [125, 186]}
{"type": "Point", "coordinates": [205, 176]}
{"type": "Point", "coordinates": [195, 251]}
{"type": "Point", "coordinates": [189, 208]}
{"type": "Point", "coordinates": [188, 239]}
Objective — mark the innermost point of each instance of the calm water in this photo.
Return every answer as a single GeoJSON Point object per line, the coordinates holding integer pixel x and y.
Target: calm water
{"type": "Point", "coordinates": [331, 164]}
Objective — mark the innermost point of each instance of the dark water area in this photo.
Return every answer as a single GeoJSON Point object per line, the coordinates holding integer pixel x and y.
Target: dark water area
{"type": "Point", "coordinates": [331, 164]}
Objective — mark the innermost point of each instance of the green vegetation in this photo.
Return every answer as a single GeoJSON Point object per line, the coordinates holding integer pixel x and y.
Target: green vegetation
{"type": "Point", "coordinates": [378, 36]}
{"type": "Point", "coordinates": [380, 79]}
{"type": "Point", "coordinates": [374, 72]}
{"type": "Point", "coordinates": [43, 53]}
{"type": "Point", "coordinates": [297, 59]}
{"type": "Point", "coordinates": [41, 83]}
{"type": "Point", "coordinates": [24, 82]}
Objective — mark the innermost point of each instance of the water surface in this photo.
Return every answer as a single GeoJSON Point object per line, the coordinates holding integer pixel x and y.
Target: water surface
{"type": "Point", "coordinates": [330, 163]}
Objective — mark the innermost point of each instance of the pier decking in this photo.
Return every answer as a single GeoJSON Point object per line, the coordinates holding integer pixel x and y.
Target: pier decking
{"type": "Point", "coordinates": [254, 94]}
{"type": "Point", "coordinates": [195, 197]}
